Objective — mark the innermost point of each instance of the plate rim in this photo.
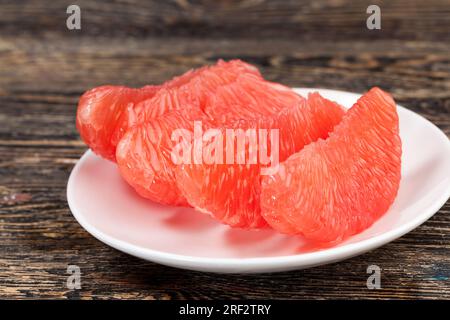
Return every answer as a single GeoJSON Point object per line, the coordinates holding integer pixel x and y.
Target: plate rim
{"type": "Point", "coordinates": [262, 264]}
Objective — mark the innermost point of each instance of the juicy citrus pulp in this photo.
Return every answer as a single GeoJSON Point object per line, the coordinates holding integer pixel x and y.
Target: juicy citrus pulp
{"type": "Point", "coordinates": [231, 191]}
{"type": "Point", "coordinates": [332, 174]}
{"type": "Point", "coordinates": [339, 186]}
{"type": "Point", "coordinates": [105, 113]}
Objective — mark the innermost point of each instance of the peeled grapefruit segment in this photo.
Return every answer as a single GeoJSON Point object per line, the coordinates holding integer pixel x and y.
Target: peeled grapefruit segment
{"type": "Point", "coordinates": [144, 155]}
{"type": "Point", "coordinates": [337, 187]}
{"type": "Point", "coordinates": [195, 92]}
{"type": "Point", "coordinates": [206, 84]}
{"type": "Point", "coordinates": [102, 117]}
{"type": "Point", "coordinates": [136, 157]}
{"type": "Point", "coordinates": [164, 101]}
{"type": "Point", "coordinates": [230, 191]}
{"type": "Point", "coordinates": [249, 97]}
{"type": "Point", "coordinates": [104, 113]}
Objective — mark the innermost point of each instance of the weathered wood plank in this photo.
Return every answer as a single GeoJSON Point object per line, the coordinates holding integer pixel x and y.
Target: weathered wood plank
{"type": "Point", "coordinates": [290, 19]}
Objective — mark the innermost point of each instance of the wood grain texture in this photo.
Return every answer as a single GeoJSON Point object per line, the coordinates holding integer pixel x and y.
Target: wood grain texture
{"type": "Point", "coordinates": [44, 69]}
{"type": "Point", "coordinates": [289, 19]}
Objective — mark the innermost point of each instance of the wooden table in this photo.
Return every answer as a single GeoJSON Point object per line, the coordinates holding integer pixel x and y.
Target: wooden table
{"type": "Point", "coordinates": [44, 68]}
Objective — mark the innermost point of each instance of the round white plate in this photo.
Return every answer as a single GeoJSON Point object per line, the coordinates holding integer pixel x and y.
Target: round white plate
{"type": "Point", "coordinates": [181, 237]}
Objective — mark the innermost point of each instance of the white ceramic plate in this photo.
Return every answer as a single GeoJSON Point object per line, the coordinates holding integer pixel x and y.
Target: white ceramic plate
{"type": "Point", "coordinates": [180, 237]}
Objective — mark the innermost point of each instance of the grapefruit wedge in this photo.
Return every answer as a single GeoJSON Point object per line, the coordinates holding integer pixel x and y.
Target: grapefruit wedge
{"type": "Point", "coordinates": [102, 117]}
{"type": "Point", "coordinates": [338, 186]}
{"type": "Point", "coordinates": [249, 97]}
{"type": "Point", "coordinates": [104, 113]}
{"type": "Point", "coordinates": [144, 154]}
{"type": "Point", "coordinates": [196, 91]}
{"type": "Point", "coordinates": [139, 148]}
{"type": "Point", "coordinates": [230, 191]}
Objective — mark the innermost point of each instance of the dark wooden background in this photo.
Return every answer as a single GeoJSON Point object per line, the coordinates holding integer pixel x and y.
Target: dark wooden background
{"type": "Point", "coordinates": [44, 68]}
